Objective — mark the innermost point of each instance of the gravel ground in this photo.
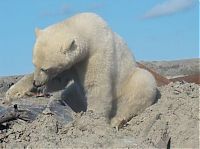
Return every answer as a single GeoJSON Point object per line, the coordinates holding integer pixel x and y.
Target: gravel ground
{"type": "Point", "coordinates": [174, 116]}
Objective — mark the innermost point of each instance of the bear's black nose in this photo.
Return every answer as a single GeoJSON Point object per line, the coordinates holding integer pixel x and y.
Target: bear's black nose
{"type": "Point", "coordinates": [37, 84]}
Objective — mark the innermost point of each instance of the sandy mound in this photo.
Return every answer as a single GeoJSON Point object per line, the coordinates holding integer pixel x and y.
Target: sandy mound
{"type": "Point", "coordinates": [174, 116]}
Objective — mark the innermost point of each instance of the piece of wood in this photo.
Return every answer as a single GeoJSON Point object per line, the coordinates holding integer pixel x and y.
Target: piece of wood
{"type": "Point", "coordinates": [13, 113]}
{"type": "Point", "coordinates": [9, 115]}
{"type": "Point", "coordinates": [190, 79]}
{"type": "Point", "coordinates": [161, 80]}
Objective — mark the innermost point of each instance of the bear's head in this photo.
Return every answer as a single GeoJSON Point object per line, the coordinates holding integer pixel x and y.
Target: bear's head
{"type": "Point", "coordinates": [55, 51]}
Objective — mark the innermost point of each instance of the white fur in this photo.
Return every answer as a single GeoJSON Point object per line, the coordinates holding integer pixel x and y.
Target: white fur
{"type": "Point", "coordinates": [20, 89]}
{"type": "Point", "coordinates": [106, 68]}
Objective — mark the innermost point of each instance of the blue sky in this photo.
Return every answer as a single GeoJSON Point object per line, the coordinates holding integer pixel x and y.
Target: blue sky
{"type": "Point", "coordinates": [153, 29]}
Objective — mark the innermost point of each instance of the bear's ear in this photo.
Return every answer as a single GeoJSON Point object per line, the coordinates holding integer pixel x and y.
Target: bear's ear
{"type": "Point", "coordinates": [37, 32]}
{"type": "Point", "coordinates": [71, 47]}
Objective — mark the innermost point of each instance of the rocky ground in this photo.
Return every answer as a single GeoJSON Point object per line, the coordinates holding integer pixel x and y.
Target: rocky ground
{"type": "Point", "coordinates": [174, 117]}
{"type": "Point", "coordinates": [176, 67]}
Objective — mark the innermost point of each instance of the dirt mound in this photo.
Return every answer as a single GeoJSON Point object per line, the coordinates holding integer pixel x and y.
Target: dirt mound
{"type": "Point", "coordinates": [174, 116]}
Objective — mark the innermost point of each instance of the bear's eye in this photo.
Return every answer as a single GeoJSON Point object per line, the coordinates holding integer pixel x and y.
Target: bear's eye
{"type": "Point", "coordinates": [44, 70]}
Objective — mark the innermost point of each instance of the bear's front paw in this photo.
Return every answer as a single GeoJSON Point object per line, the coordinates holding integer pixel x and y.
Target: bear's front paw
{"type": "Point", "coordinates": [7, 100]}
{"type": "Point", "coordinates": [13, 94]}
{"type": "Point", "coordinates": [117, 122]}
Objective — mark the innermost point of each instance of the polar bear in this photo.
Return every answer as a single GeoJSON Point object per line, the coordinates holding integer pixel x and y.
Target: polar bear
{"type": "Point", "coordinates": [113, 84]}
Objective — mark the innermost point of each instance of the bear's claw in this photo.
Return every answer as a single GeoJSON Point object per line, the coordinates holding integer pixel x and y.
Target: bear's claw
{"type": "Point", "coordinates": [118, 123]}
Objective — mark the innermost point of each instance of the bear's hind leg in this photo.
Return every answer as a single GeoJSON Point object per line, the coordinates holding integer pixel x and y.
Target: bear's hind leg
{"type": "Point", "coordinates": [138, 93]}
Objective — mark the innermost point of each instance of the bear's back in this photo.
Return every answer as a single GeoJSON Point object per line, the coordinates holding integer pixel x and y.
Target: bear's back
{"type": "Point", "coordinates": [85, 24]}
{"type": "Point", "coordinates": [125, 62]}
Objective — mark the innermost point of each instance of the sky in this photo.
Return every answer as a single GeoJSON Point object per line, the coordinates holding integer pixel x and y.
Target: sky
{"type": "Point", "coordinates": [153, 29]}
